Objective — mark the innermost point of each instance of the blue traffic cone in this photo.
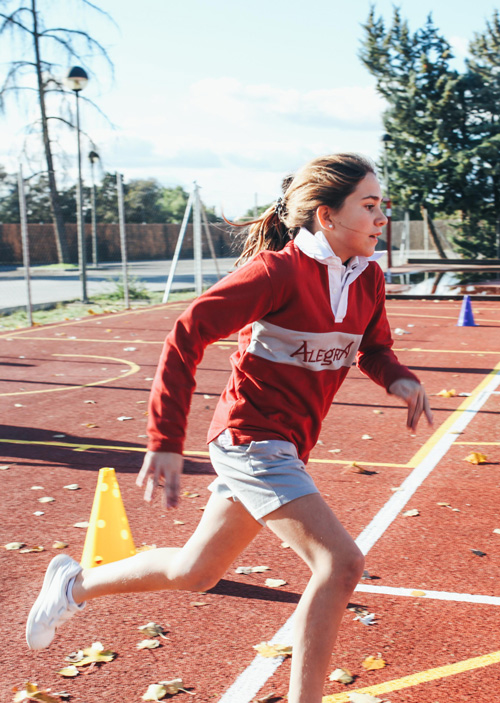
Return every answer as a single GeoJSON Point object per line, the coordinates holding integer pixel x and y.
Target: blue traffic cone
{"type": "Point", "coordinates": [466, 318]}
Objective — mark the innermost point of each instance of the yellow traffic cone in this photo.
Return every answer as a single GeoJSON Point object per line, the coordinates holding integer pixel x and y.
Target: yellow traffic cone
{"type": "Point", "coordinates": [108, 535]}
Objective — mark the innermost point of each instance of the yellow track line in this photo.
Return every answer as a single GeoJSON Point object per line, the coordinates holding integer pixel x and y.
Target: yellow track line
{"type": "Point", "coordinates": [421, 677]}
{"type": "Point", "coordinates": [134, 368]}
{"type": "Point", "coordinates": [486, 444]}
{"type": "Point", "coordinates": [444, 428]}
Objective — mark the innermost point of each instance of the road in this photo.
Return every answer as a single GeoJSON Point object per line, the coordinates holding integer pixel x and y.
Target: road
{"type": "Point", "coordinates": [50, 286]}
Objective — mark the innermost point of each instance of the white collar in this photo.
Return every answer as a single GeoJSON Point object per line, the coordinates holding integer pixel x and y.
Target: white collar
{"type": "Point", "coordinates": [317, 247]}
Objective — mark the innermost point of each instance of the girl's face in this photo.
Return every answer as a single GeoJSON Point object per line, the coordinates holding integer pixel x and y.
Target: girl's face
{"type": "Point", "coordinates": [355, 228]}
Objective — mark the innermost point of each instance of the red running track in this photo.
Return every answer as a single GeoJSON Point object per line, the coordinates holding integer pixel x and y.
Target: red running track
{"type": "Point", "coordinates": [440, 644]}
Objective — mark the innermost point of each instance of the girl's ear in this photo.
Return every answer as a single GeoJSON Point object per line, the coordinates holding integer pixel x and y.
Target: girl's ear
{"type": "Point", "coordinates": [324, 217]}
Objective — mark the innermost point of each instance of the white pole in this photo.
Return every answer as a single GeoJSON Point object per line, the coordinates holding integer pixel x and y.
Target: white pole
{"type": "Point", "coordinates": [209, 240]}
{"type": "Point", "coordinates": [197, 244]}
{"type": "Point", "coordinates": [24, 239]}
{"type": "Point", "coordinates": [123, 237]}
{"type": "Point", "coordinates": [178, 246]}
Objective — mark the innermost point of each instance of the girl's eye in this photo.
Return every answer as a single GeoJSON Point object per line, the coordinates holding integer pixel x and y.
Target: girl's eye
{"type": "Point", "coordinates": [370, 207]}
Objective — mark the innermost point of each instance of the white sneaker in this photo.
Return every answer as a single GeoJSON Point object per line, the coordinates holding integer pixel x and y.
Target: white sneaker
{"type": "Point", "coordinates": [52, 607]}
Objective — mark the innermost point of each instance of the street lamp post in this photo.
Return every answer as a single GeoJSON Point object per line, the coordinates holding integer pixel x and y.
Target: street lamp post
{"type": "Point", "coordinates": [76, 80]}
{"type": "Point", "coordinates": [388, 205]}
{"type": "Point", "coordinates": [93, 157]}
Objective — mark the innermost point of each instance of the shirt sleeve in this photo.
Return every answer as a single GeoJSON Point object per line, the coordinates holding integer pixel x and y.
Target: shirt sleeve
{"type": "Point", "coordinates": [375, 357]}
{"type": "Point", "coordinates": [238, 299]}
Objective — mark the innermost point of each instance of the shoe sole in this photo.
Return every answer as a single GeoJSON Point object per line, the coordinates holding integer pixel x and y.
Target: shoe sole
{"type": "Point", "coordinates": [47, 581]}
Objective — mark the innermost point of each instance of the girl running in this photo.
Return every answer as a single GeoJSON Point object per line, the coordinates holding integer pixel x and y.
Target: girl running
{"type": "Point", "coordinates": [307, 303]}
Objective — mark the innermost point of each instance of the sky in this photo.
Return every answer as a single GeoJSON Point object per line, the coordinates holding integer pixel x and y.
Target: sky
{"type": "Point", "coordinates": [231, 94]}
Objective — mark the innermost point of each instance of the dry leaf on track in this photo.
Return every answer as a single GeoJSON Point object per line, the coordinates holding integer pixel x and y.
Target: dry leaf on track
{"type": "Point", "coordinates": [268, 650]}
{"type": "Point", "coordinates": [153, 630]}
{"type": "Point", "coordinates": [373, 663]}
{"type": "Point", "coordinates": [148, 644]}
{"type": "Point", "coordinates": [476, 458]}
{"type": "Point", "coordinates": [411, 513]}
{"type": "Point", "coordinates": [342, 676]}
{"type": "Point", "coordinates": [275, 583]}
{"type": "Point", "coordinates": [30, 692]}
{"type": "Point", "coordinates": [447, 394]}
{"type": "Point", "coordinates": [11, 546]}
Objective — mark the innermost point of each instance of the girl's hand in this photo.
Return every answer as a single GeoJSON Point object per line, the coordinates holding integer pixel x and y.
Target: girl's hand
{"type": "Point", "coordinates": [413, 394]}
{"type": "Point", "coordinates": [161, 469]}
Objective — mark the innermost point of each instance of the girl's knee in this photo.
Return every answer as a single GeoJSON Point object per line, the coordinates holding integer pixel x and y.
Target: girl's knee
{"type": "Point", "coordinates": [344, 569]}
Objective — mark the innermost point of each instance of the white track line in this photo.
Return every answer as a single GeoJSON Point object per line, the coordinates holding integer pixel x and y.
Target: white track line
{"type": "Point", "coordinates": [261, 669]}
{"type": "Point", "coordinates": [425, 594]}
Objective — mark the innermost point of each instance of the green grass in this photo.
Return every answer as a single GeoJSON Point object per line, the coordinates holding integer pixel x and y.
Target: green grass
{"type": "Point", "coordinates": [99, 305]}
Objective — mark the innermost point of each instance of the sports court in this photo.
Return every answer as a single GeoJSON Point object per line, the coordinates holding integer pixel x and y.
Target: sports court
{"type": "Point", "coordinates": [74, 399]}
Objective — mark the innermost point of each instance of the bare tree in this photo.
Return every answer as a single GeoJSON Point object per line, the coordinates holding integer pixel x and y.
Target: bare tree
{"type": "Point", "coordinates": [26, 21]}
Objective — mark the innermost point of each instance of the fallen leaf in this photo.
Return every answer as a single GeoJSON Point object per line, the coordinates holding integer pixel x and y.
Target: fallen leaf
{"type": "Point", "coordinates": [268, 650]}
{"type": "Point", "coordinates": [275, 583]}
{"type": "Point", "coordinates": [366, 619]}
{"type": "Point", "coordinates": [46, 499]}
{"type": "Point", "coordinates": [342, 676]}
{"type": "Point", "coordinates": [27, 550]}
{"type": "Point", "coordinates": [373, 663]}
{"type": "Point", "coordinates": [378, 412]}
{"type": "Point", "coordinates": [129, 348]}
{"type": "Point", "coordinates": [411, 513]}
{"type": "Point", "coordinates": [72, 487]}
{"type": "Point", "coordinates": [94, 654]}
{"type": "Point", "coordinates": [355, 468]}
{"type": "Point", "coordinates": [148, 644]}
{"type": "Point", "coordinates": [153, 630]}
{"type": "Point", "coordinates": [155, 692]}
{"type": "Point", "coordinates": [31, 692]}
{"type": "Point", "coordinates": [366, 436]}
{"type": "Point", "coordinates": [252, 570]}
{"type": "Point", "coordinates": [496, 531]}
{"type": "Point", "coordinates": [198, 603]}
{"type": "Point", "coordinates": [179, 522]}
{"type": "Point", "coordinates": [83, 525]}
{"type": "Point", "coordinates": [124, 417]}
{"type": "Point", "coordinates": [90, 425]}
{"type": "Point", "coordinates": [447, 394]}
{"type": "Point", "coordinates": [335, 451]}
{"type": "Point", "coordinates": [38, 513]}
{"type": "Point", "coordinates": [36, 488]}
{"type": "Point", "coordinates": [69, 671]}
{"type": "Point", "coordinates": [270, 697]}
{"type": "Point", "coordinates": [187, 494]}
{"type": "Point", "coordinates": [285, 545]}
{"type": "Point", "coordinates": [90, 402]}
{"type": "Point", "coordinates": [174, 686]}
{"type": "Point", "coordinates": [476, 458]}
{"type": "Point", "coordinates": [418, 594]}
{"type": "Point", "coordinates": [59, 545]}
{"type": "Point", "coordinates": [11, 546]}
{"type": "Point", "coordinates": [363, 698]}
{"type": "Point", "coordinates": [478, 552]}
{"type": "Point", "coordinates": [400, 331]}
{"type": "Point", "coordinates": [4, 467]}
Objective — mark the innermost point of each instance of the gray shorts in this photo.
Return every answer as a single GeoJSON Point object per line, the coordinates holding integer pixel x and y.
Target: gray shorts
{"type": "Point", "coordinates": [260, 475]}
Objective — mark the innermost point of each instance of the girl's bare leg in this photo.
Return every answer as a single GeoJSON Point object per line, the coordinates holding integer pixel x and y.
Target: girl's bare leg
{"type": "Point", "coordinates": [309, 526]}
{"type": "Point", "coordinates": [225, 529]}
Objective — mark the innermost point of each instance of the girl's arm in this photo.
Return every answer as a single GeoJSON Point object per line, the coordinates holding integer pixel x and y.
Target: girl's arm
{"type": "Point", "coordinates": [377, 360]}
{"type": "Point", "coordinates": [240, 298]}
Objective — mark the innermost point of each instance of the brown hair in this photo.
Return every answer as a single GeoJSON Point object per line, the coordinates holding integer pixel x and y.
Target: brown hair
{"type": "Point", "coordinates": [327, 180]}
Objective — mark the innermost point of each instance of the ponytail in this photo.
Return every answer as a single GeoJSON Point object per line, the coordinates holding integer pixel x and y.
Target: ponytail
{"type": "Point", "coordinates": [266, 232]}
{"type": "Point", "coordinates": [327, 180]}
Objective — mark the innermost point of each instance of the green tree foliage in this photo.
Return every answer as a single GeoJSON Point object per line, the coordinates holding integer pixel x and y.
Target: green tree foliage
{"type": "Point", "coordinates": [146, 201]}
{"type": "Point", "coordinates": [443, 124]}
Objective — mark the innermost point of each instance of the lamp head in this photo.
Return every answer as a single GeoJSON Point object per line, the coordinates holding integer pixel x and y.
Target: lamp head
{"type": "Point", "coordinates": [77, 79]}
